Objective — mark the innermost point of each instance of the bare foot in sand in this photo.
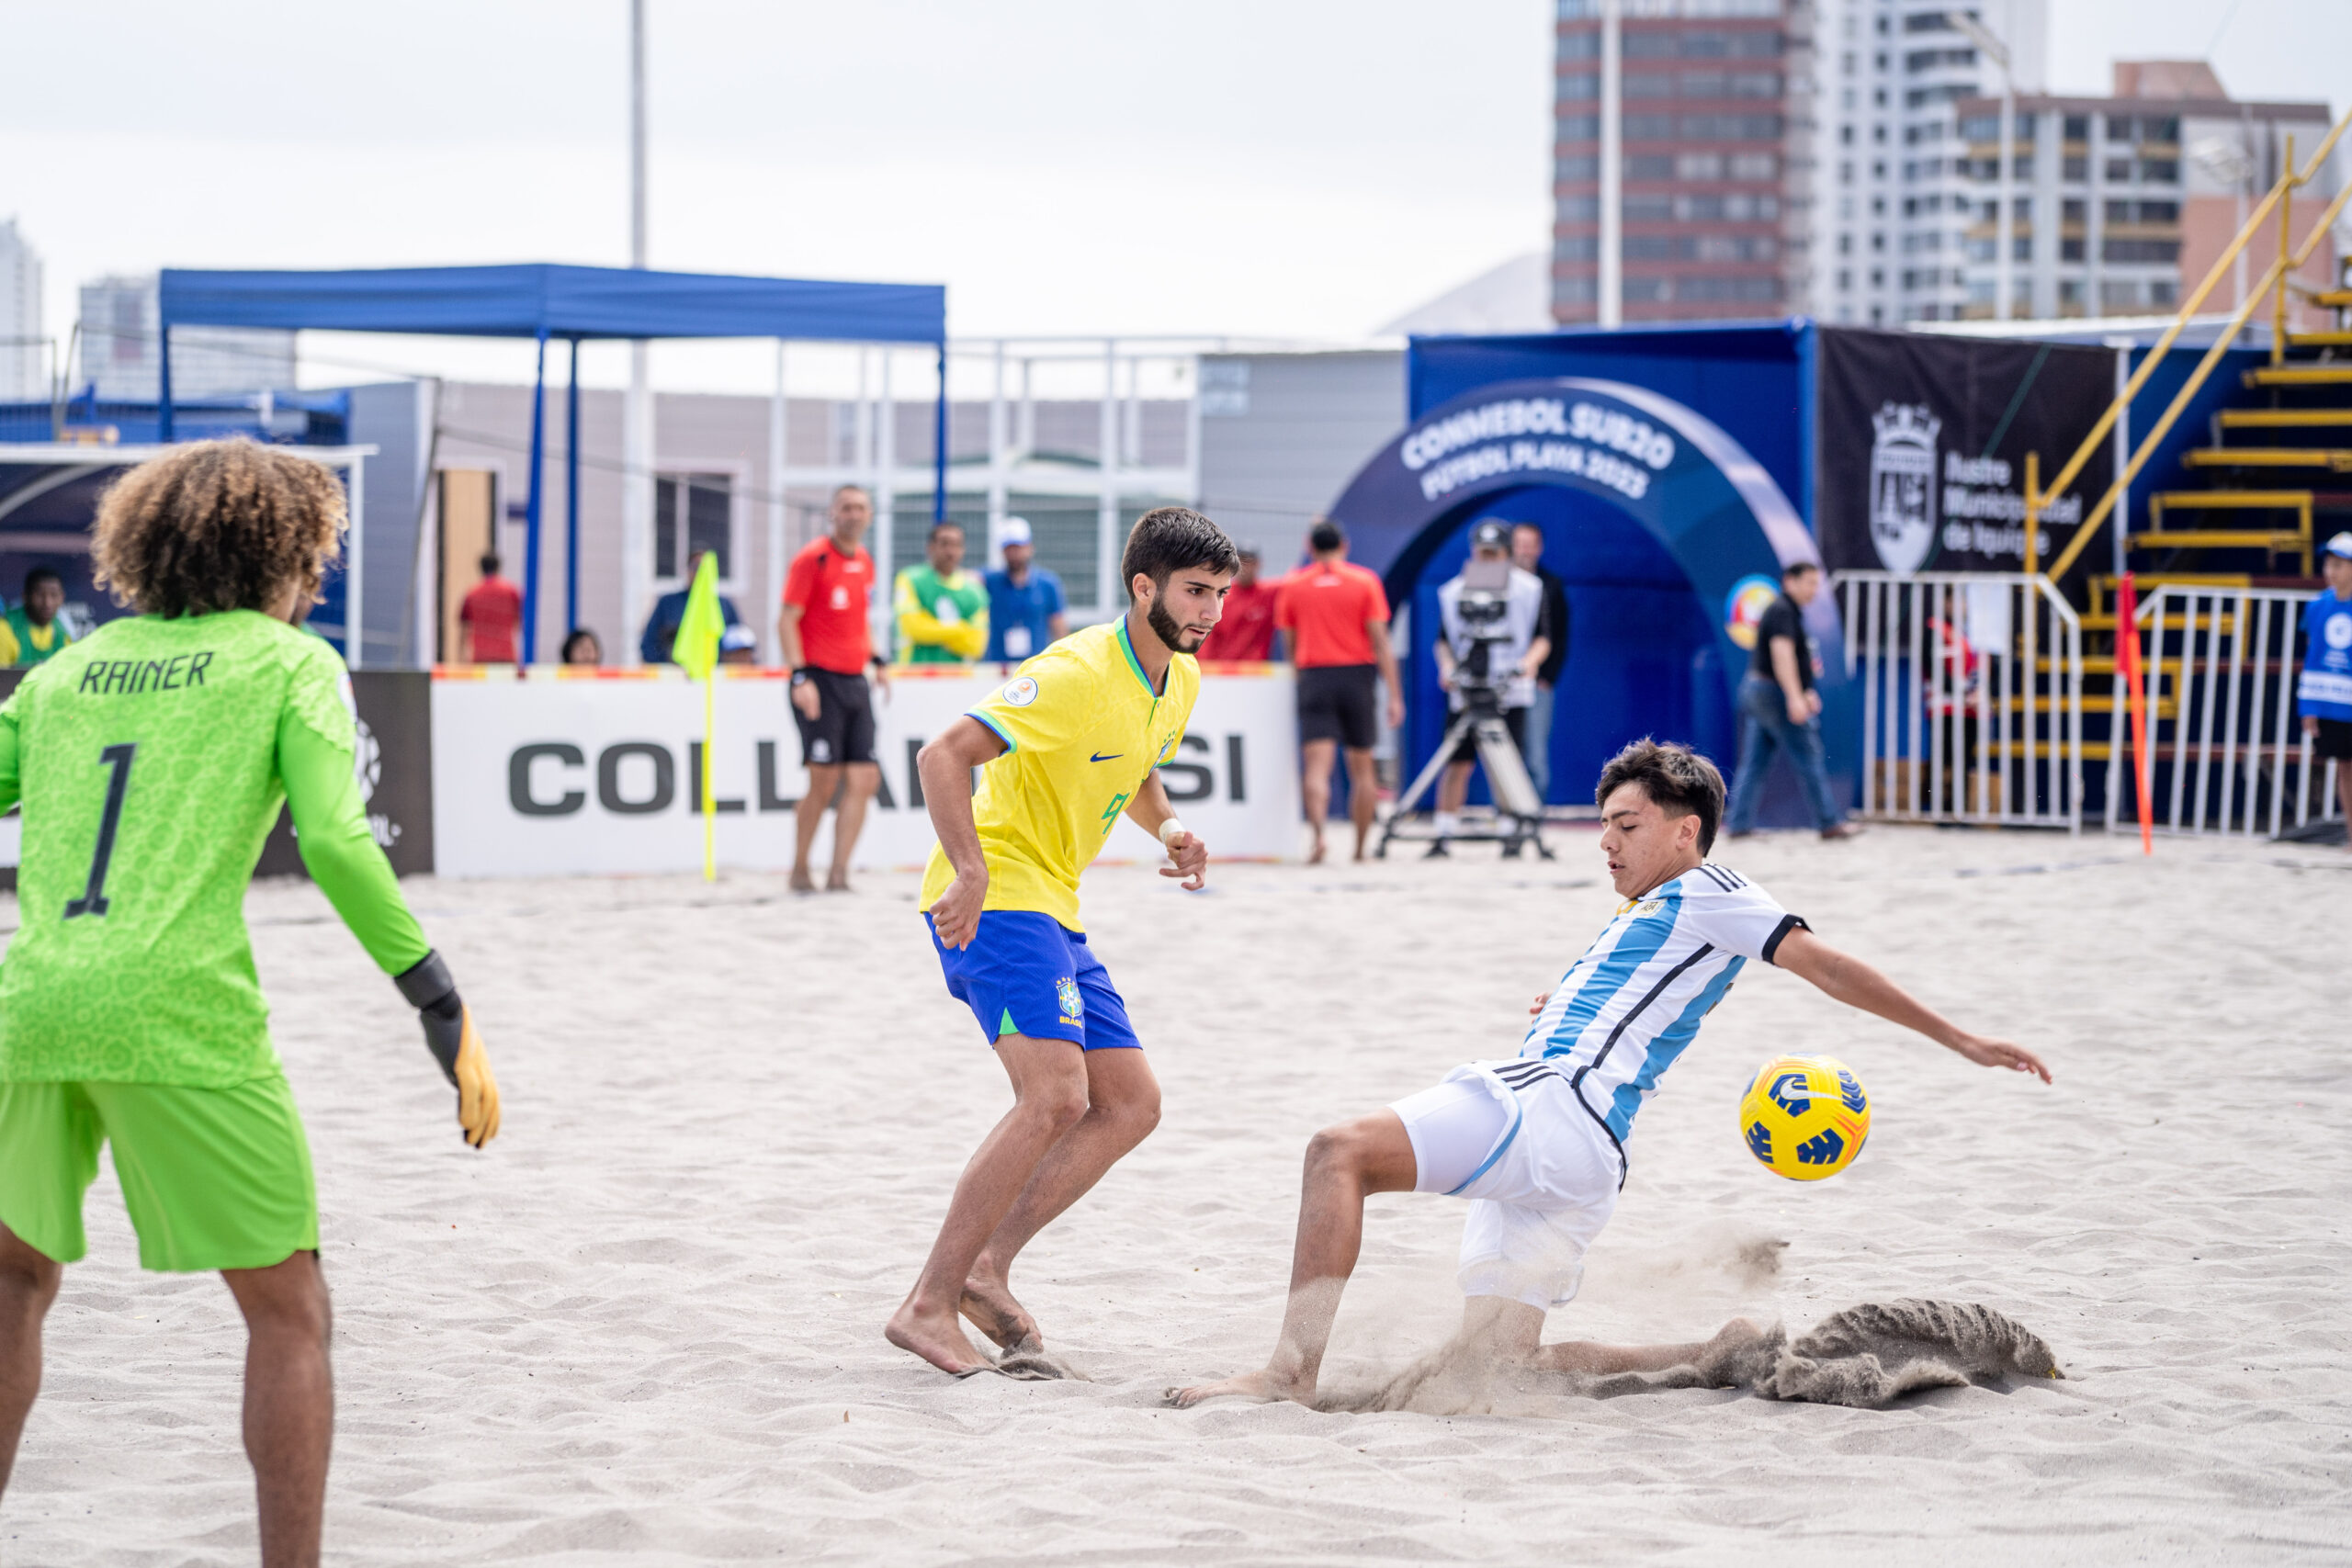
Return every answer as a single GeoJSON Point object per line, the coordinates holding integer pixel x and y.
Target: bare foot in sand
{"type": "Point", "coordinates": [938, 1339]}
{"type": "Point", "coordinates": [1315, 855]}
{"type": "Point", "coordinates": [800, 882]}
{"type": "Point", "coordinates": [989, 1306]}
{"type": "Point", "coordinates": [1262, 1386]}
{"type": "Point", "coordinates": [837, 883]}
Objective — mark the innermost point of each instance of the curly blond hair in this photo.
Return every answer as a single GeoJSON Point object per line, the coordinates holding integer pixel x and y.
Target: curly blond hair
{"type": "Point", "coordinates": [219, 525]}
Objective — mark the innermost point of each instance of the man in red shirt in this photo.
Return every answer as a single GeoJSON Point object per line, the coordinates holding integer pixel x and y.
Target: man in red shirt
{"type": "Point", "coordinates": [1337, 615]}
{"type": "Point", "coordinates": [829, 643]}
{"type": "Point", "coordinates": [1246, 635]}
{"type": "Point", "coordinates": [488, 618]}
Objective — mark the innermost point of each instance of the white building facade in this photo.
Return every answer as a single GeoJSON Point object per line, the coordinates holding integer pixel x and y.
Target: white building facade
{"type": "Point", "coordinates": [24, 362]}
{"type": "Point", "coordinates": [119, 350]}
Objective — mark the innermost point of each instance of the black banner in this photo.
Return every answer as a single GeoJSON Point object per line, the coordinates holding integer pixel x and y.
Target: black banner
{"type": "Point", "coordinates": [1922, 440]}
{"type": "Point", "coordinates": [395, 767]}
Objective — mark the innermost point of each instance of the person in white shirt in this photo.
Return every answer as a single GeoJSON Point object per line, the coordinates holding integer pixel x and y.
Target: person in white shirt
{"type": "Point", "coordinates": [1537, 1142]}
{"type": "Point", "coordinates": [1519, 658]}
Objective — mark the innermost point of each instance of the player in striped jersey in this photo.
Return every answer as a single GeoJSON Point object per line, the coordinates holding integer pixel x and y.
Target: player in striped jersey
{"type": "Point", "coordinates": [1537, 1142]}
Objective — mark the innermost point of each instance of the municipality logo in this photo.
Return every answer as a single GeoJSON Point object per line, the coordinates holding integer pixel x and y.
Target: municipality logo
{"type": "Point", "coordinates": [1903, 486]}
{"type": "Point", "coordinates": [1072, 1008]}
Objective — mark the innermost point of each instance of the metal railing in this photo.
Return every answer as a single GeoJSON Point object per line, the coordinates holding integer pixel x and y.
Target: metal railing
{"type": "Point", "coordinates": [2226, 750]}
{"type": "Point", "coordinates": [1972, 693]}
{"type": "Point", "coordinates": [2273, 280]}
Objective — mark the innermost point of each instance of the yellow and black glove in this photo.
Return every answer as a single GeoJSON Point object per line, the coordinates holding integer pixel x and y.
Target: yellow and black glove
{"type": "Point", "coordinates": [450, 1035]}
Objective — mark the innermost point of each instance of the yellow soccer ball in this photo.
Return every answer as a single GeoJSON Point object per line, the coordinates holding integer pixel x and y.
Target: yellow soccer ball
{"type": "Point", "coordinates": [1805, 1117]}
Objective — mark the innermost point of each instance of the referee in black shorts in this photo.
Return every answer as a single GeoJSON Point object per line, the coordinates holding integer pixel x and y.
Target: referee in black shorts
{"type": "Point", "coordinates": [829, 644]}
{"type": "Point", "coordinates": [1336, 616]}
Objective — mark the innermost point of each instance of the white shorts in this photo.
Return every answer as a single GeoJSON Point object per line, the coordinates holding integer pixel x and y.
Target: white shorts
{"type": "Point", "coordinates": [1541, 1175]}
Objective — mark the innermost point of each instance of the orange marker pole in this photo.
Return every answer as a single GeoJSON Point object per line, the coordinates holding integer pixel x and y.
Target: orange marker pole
{"type": "Point", "coordinates": [2127, 661]}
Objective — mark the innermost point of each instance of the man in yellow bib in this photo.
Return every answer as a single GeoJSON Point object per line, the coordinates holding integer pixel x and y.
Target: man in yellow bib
{"type": "Point", "coordinates": [1069, 745]}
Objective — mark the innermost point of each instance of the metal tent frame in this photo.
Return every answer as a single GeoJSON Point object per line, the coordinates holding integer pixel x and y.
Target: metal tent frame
{"type": "Point", "coordinates": [542, 301]}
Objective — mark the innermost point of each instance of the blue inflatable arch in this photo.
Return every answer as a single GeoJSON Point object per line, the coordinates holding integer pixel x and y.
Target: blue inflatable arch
{"type": "Point", "coordinates": [1669, 469]}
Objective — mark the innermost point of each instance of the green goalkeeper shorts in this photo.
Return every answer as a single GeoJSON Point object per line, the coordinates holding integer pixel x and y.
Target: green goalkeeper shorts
{"type": "Point", "coordinates": [213, 1178]}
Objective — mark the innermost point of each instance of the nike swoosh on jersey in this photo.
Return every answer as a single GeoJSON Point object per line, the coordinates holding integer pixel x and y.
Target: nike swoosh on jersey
{"type": "Point", "coordinates": [1106, 756]}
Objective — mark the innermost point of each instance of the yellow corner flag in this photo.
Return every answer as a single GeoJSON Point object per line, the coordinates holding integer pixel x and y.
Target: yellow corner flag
{"type": "Point", "coordinates": [695, 650]}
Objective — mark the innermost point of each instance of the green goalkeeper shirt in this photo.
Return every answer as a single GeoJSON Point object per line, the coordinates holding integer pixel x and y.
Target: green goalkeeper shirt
{"type": "Point", "coordinates": [151, 759]}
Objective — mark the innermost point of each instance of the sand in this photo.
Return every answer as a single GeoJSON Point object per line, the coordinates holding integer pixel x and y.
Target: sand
{"type": "Point", "coordinates": [645, 1328]}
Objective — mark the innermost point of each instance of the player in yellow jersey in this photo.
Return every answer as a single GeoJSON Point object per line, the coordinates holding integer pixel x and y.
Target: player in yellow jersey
{"type": "Point", "coordinates": [1068, 745]}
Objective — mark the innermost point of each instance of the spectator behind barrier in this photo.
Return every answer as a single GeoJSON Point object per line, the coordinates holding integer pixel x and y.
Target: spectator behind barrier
{"type": "Point", "coordinates": [1026, 601]}
{"type": "Point", "coordinates": [942, 611]}
{"type": "Point", "coordinates": [1246, 633]}
{"type": "Point", "coordinates": [489, 617]}
{"type": "Point", "coordinates": [31, 632]}
{"type": "Point", "coordinates": [661, 626]}
{"type": "Point", "coordinates": [582, 648]}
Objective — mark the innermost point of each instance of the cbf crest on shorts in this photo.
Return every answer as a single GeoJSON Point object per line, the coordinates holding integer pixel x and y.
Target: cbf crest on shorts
{"type": "Point", "coordinates": [1073, 1008]}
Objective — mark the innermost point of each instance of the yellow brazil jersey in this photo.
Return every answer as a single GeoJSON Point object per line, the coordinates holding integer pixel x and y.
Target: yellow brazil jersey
{"type": "Point", "coordinates": [1083, 729]}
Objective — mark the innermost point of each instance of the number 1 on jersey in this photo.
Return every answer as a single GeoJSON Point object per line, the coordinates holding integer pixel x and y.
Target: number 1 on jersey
{"type": "Point", "coordinates": [93, 901]}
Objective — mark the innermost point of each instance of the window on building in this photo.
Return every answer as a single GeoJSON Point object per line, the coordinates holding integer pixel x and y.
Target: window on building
{"type": "Point", "coordinates": [2118, 293]}
{"type": "Point", "coordinates": [1845, 245]}
{"type": "Point", "coordinates": [1582, 88]}
{"type": "Point", "coordinates": [1705, 85]}
{"type": "Point", "coordinates": [1845, 279]}
{"type": "Point", "coordinates": [1649, 166]}
{"type": "Point", "coordinates": [2023, 168]}
{"type": "Point", "coordinates": [1980, 250]}
{"type": "Point", "coordinates": [1878, 278]}
{"type": "Point", "coordinates": [1878, 242]}
{"type": "Point", "coordinates": [1647, 208]}
{"type": "Point", "coordinates": [1648, 84]}
{"type": "Point", "coordinates": [1846, 136]}
{"type": "Point", "coordinates": [1576, 288]}
{"type": "Point", "coordinates": [2160, 171]}
{"type": "Point", "coordinates": [1576, 248]}
{"type": "Point", "coordinates": [1878, 134]}
{"type": "Point", "coordinates": [1649, 127]}
{"type": "Point", "coordinates": [1643, 290]}
{"type": "Point", "coordinates": [2115, 211]}
{"type": "Point", "coordinates": [1699, 166]}
{"type": "Point", "coordinates": [1584, 44]}
{"type": "Point", "coordinates": [1979, 127]}
{"type": "Point", "coordinates": [1754, 166]}
{"type": "Point", "coordinates": [2118, 170]}
{"type": "Point", "coordinates": [2163, 291]}
{"type": "Point", "coordinates": [1647, 44]}
{"type": "Point", "coordinates": [2077, 128]}
{"type": "Point", "coordinates": [2074, 210]}
{"type": "Point", "coordinates": [2160, 212]}
{"type": "Point", "coordinates": [2119, 128]}
{"type": "Point", "coordinates": [693, 512]}
{"type": "Point", "coordinates": [2026, 125]}
{"type": "Point", "coordinates": [1878, 97]}
{"type": "Point", "coordinates": [1928, 22]}
{"type": "Point", "coordinates": [2074, 168]}
{"type": "Point", "coordinates": [1846, 174]}
{"type": "Point", "coordinates": [2070, 291]}
{"type": "Point", "coordinates": [1755, 85]}
{"type": "Point", "coordinates": [2167, 129]}
{"type": "Point", "coordinates": [2021, 247]}
{"type": "Point", "coordinates": [1578, 168]}
{"type": "Point", "coordinates": [2070, 250]}
{"type": "Point", "coordinates": [2022, 208]}
{"type": "Point", "coordinates": [2164, 251]}
{"type": "Point", "coordinates": [1579, 128]}
{"type": "Point", "coordinates": [1577, 208]}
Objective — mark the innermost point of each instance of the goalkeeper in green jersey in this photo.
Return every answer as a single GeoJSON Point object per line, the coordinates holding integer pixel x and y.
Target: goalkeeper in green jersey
{"type": "Point", "coordinates": [151, 759]}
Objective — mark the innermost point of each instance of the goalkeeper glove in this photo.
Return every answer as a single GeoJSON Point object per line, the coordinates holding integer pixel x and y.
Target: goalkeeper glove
{"type": "Point", "coordinates": [449, 1034]}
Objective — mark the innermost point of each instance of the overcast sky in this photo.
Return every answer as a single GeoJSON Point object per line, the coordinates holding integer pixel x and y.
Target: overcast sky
{"type": "Point", "coordinates": [1292, 168]}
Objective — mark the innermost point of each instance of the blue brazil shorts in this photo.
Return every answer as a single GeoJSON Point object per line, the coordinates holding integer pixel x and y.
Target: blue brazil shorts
{"type": "Point", "coordinates": [1028, 973]}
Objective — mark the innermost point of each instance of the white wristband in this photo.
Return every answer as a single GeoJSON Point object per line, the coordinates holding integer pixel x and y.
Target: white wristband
{"type": "Point", "coordinates": [1169, 831]}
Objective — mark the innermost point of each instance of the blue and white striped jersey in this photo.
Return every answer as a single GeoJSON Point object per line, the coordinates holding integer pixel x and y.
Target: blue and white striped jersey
{"type": "Point", "coordinates": [1624, 1011]}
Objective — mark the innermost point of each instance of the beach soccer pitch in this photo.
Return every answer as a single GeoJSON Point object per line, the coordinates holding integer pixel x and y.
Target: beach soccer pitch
{"type": "Point", "coordinates": [645, 1326]}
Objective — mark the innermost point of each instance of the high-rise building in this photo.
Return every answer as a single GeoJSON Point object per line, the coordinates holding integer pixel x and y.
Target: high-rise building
{"type": "Point", "coordinates": [24, 362]}
{"type": "Point", "coordinates": [1888, 217]}
{"type": "Point", "coordinates": [1710, 152]}
{"type": "Point", "coordinates": [2120, 204]}
{"type": "Point", "coordinates": [118, 349]}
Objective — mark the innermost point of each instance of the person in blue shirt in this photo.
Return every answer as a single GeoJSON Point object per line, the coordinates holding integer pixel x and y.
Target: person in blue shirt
{"type": "Point", "coordinates": [2324, 693]}
{"type": "Point", "coordinates": [661, 626]}
{"type": "Point", "coordinates": [1026, 601]}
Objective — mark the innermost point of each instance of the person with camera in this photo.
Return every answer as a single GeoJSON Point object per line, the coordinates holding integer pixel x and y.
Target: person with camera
{"type": "Point", "coordinates": [1492, 645]}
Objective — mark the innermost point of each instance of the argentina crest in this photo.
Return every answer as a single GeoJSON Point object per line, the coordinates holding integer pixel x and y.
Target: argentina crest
{"type": "Point", "coordinates": [1902, 485]}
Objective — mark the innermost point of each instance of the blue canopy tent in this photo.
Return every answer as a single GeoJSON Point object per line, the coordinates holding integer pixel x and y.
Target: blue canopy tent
{"type": "Point", "coordinates": [543, 301]}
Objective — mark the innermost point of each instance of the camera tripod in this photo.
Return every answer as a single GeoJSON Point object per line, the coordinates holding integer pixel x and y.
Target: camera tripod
{"type": "Point", "coordinates": [1518, 815]}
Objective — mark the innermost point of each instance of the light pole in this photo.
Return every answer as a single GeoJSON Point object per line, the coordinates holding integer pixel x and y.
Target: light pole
{"type": "Point", "coordinates": [2003, 250]}
{"type": "Point", "coordinates": [1609, 309]}
{"type": "Point", "coordinates": [637, 408]}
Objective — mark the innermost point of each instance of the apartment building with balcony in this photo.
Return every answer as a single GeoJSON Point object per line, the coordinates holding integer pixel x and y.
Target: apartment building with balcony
{"type": "Point", "coordinates": [2120, 204]}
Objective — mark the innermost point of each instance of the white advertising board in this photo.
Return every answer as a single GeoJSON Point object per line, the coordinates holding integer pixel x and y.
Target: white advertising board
{"type": "Point", "coordinates": [545, 777]}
